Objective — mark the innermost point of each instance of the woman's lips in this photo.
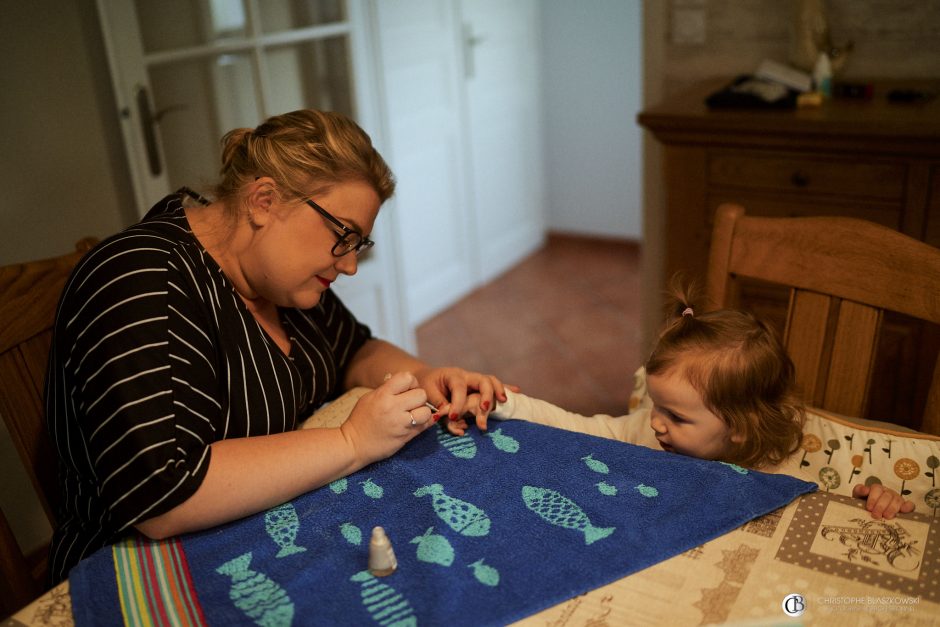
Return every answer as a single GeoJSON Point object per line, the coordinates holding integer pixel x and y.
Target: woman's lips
{"type": "Point", "coordinates": [325, 282]}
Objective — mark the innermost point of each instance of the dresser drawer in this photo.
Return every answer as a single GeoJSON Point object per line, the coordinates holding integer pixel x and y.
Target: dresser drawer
{"type": "Point", "coordinates": [806, 174]}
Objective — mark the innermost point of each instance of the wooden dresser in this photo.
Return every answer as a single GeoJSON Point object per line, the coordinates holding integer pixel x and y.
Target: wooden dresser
{"type": "Point", "coordinates": [872, 159]}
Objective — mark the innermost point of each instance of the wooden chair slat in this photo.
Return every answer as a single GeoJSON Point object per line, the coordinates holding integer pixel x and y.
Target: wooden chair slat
{"type": "Point", "coordinates": [805, 341]}
{"type": "Point", "coordinates": [853, 355]}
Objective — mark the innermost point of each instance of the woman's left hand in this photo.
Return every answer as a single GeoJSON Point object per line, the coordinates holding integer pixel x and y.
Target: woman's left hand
{"type": "Point", "coordinates": [455, 391]}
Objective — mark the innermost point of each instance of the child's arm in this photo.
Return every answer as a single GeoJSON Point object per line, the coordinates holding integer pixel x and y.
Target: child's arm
{"type": "Point", "coordinates": [535, 410]}
{"type": "Point", "coordinates": [882, 502]}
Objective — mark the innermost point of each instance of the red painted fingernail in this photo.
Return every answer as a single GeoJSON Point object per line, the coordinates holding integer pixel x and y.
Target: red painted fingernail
{"type": "Point", "coordinates": [436, 417]}
{"type": "Point", "coordinates": [453, 416]}
{"type": "Point", "coordinates": [485, 405]}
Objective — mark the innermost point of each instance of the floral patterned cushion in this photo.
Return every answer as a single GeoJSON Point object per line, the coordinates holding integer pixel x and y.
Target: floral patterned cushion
{"type": "Point", "coordinates": [837, 453]}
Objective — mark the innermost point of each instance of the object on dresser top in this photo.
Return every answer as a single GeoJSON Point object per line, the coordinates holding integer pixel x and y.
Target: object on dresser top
{"type": "Point", "coordinates": [785, 75]}
{"type": "Point", "coordinates": [909, 96]}
{"type": "Point", "coordinates": [474, 514]}
{"type": "Point", "coordinates": [750, 92]}
{"type": "Point", "coordinates": [853, 91]}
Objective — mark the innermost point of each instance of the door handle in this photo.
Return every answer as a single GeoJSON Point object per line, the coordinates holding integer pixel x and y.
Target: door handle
{"type": "Point", "coordinates": [470, 42]}
{"type": "Point", "coordinates": [148, 121]}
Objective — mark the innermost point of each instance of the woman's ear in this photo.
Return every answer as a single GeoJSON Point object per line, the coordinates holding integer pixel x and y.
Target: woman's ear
{"type": "Point", "coordinates": [737, 437]}
{"type": "Point", "coordinates": [260, 199]}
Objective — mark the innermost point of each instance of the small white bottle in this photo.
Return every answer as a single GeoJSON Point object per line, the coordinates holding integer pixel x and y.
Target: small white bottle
{"type": "Point", "coordinates": [382, 560]}
{"type": "Point", "coordinates": [822, 75]}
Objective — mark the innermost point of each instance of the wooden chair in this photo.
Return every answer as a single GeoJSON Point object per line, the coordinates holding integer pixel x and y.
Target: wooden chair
{"type": "Point", "coordinates": [843, 275]}
{"type": "Point", "coordinates": [29, 294]}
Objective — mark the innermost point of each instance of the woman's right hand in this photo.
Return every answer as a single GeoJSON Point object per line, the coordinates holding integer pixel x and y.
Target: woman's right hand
{"type": "Point", "coordinates": [380, 423]}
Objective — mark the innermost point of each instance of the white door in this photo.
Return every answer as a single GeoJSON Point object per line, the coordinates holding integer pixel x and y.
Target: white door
{"type": "Point", "coordinates": [460, 84]}
{"type": "Point", "coordinates": [420, 65]}
{"type": "Point", "coordinates": [186, 71]}
{"type": "Point", "coordinates": [504, 119]}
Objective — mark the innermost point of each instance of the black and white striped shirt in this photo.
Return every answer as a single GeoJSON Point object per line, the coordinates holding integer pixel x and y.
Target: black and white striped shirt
{"type": "Point", "coordinates": [154, 357]}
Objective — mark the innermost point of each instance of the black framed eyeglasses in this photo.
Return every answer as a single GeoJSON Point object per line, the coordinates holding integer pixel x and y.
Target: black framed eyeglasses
{"type": "Point", "coordinates": [349, 240]}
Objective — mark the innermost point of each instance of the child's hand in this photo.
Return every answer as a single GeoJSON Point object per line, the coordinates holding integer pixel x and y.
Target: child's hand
{"type": "Point", "coordinates": [479, 409]}
{"type": "Point", "coordinates": [882, 502]}
{"type": "Point", "coordinates": [457, 426]}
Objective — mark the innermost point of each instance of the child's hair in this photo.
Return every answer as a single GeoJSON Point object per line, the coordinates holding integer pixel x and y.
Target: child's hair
{"type": "Point", "coordinates": [743, 373]}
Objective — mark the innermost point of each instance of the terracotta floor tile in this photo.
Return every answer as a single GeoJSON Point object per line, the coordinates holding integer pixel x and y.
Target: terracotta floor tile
{"type": "Point", "coordinates": [563, 324]}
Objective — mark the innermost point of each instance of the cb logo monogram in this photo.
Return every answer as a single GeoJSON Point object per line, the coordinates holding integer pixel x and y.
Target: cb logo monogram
{"type": "Point", "coordinates": [793, 605]}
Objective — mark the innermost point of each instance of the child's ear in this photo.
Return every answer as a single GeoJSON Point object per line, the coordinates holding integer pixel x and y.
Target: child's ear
{"type": "Point", "coordinates": [737, 438]}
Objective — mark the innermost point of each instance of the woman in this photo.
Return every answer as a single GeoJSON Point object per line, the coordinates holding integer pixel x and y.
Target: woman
{"type": "Point", "coordinates": [188, 346]}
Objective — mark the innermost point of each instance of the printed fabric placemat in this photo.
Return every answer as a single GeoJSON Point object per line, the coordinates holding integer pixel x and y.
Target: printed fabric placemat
{"type": "Point", "coordinates": [487, 528]}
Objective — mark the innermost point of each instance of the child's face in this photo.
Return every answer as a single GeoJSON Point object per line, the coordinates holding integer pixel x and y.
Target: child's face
{"type": "Point", "coordinates": [682, 422]}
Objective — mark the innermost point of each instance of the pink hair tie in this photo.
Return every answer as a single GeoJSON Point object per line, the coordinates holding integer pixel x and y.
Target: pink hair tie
{"type": "Point", "coordinates": [688, 312]}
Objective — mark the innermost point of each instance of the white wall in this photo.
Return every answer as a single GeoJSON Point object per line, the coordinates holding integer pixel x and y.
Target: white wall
{"type": "Point", "coordinates": [61, 166]}
{"type": "Point", "coordinates": [592, 73]}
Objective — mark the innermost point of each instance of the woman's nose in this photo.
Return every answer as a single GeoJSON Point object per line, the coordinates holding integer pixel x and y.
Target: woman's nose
{"type": "Point", "coordinates": [348, 263]}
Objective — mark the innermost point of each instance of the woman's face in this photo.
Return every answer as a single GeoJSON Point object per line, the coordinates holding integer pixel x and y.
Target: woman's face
{"type": "Point", "coordinates": [681, 421]}
{"type": "Point", "coordinates": [290, 261]}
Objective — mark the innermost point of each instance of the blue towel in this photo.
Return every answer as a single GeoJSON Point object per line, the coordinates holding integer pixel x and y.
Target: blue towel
{"type": "Point", "coordinates": [487, 529]}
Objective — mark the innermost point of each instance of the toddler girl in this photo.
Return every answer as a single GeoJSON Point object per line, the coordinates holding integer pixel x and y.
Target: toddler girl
{"type": "Point", "coordinates": [722, 388]}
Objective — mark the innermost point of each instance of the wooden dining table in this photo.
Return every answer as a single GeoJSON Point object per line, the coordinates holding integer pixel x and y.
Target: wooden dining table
{"type": "Point", "coordinates": [743, 577]}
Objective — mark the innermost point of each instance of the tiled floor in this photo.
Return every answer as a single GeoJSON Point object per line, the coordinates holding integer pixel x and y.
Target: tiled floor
{"type": "Point", "coordinates": [563, 325]}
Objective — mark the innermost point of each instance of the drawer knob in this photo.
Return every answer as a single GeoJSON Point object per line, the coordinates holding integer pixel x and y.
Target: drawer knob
{"type": "Point", "coordinates": [799, 179]}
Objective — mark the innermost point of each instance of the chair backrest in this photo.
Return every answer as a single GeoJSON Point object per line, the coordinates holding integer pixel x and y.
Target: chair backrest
{"type": "Point", "coordinates": [843, 274]}
{"type": "Point", "coordinates": [29, 294]}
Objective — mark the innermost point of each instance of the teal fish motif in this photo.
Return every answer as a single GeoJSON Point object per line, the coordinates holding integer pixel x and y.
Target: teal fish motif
{"type": "Point", "coordinates": [282, 524]}
{"type": "Point", "coordinates": [505, 443]}
{"type": "Point", "coordinates": [352, 533]}
{"type": "Point", "coordinates": [557, 509]}
{"type": "Point", "coordinates": [385, 604]}
{"type": "Point", "coordinates": [484, 573]}
{"type": "Point", "coordinates": [434, 548]}
{"type": "Point", "coordinates": [606, 489]}
{"type": "Point", "coordinates": [461, 446]}
{"type": "Point", "coordinates": [735, 467]}
{"type": "Point", "coordinates": [464, 518]}
{"type": "Point", "coordinates": [372, 489]}
{"type": "Point", "coordinates": [339, 486]}
{"type": "Point", "coordinates": [596, 465]}
{"type": "Point", "coordinates": [260, 598]}
{"type": "Point", "coordinates": [647, 490]}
